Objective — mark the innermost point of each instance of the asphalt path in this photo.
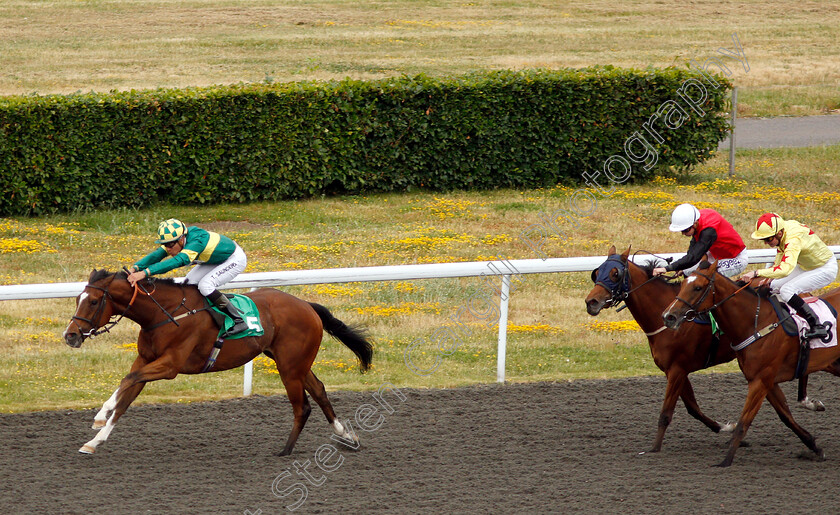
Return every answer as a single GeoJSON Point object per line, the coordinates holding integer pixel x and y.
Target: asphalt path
{"type": "Point", "coordinates": [786, 131]}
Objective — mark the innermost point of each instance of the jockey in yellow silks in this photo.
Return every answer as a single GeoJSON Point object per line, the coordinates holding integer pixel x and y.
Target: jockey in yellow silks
{"type": "Point", "coordinates": [803, 264]}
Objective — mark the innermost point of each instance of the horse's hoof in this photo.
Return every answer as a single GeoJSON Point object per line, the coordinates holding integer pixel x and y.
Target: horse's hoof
{"type": "Point", "coordinates": [812, 405]}
{"type": "Point", "coordinates": [98, 424]}
{"type": "Point", "coordinates": [87, 449]}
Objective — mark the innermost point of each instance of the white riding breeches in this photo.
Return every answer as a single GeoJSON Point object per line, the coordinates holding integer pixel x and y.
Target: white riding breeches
{"type": "Point", "coordinates": [212, 277]}
{"type": "Point", "coordinates": [801, 281]}
{"type": "Point", "coordinates": [727, 267]}
{"type": "Point", "coordinates": [734, 266]}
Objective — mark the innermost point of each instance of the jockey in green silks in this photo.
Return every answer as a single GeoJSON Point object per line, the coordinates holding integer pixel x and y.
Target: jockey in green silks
{"type": "Point", "coordinates": [218, 260]}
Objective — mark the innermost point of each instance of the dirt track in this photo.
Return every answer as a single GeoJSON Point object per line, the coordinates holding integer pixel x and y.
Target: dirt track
{"type": "Point", "coordinates": [535, 448]}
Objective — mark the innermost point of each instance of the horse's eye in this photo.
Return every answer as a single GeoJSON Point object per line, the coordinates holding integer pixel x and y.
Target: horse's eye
{"type": "Point", "coordinates": [93, 302]}
{"type": "Point", "coordinates": [697, 288]}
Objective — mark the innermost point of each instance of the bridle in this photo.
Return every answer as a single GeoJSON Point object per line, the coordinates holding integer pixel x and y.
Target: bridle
{"type": "Point", "coordinates": [618, 290]}
{"type": "Point", "coordinates": [138, 289]}
{"type": "Point", "coordinates": [693, 311]}
{"type": "Point", "coordinates": [94, 331]}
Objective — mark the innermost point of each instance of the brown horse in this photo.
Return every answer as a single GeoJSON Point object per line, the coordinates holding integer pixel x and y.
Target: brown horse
{"type": "Point", "coordinates": [767, 361]}
{"type": "Point", "coordinates": [677, 353]}
{"type": "Point", "coordinates": [177, 336]}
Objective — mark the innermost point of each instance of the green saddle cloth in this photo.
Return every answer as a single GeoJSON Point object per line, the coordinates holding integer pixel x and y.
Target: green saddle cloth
{"type": "Point", "coordinates": [250, 314]}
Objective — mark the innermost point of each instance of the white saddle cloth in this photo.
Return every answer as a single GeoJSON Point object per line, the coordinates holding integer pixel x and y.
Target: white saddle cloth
{"type": "Point", "coordinates": [823, 314]}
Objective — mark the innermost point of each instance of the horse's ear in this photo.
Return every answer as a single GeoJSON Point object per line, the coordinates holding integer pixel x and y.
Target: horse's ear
{"type": "Point", "coordinates": [625, 254]}
{"type": "Point", "coordinates": [611, 251]}
{"type": "Point", "coordinates": [714, 267]}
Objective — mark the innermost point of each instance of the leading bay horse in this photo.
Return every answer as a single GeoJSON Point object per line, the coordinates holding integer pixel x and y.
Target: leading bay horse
{"type": "Point", "coordinates": [177, 335]}
{"type": "Point", "coordinates": [766, 361]}
{"type": "Point", "coordinates": [677, 353]}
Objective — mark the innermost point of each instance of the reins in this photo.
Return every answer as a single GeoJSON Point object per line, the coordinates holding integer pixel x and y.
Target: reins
{"type": "Point", "coordinates": [138, 289]}
{"type": "Point", "coordinates": [692, 312]}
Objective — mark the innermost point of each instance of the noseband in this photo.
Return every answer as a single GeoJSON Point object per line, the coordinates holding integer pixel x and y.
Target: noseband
{"type": "Point", "coordinates": [692, 312]}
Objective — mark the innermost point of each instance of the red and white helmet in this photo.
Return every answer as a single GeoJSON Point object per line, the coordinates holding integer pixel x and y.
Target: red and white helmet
{"type": "Point", "coordinates": [683, 217]}
{"type": "Point", "coordinates": [767, 225]}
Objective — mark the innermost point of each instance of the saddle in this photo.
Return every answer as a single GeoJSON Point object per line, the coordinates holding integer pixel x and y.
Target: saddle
{"type": "Point", "coordinates": [786, 314]}
{"type": "Point", "coordinates": [249, 312]}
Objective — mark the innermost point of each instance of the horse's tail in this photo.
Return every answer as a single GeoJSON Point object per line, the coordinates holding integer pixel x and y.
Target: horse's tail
{"type": "Point", "coordinates": [353, 337]}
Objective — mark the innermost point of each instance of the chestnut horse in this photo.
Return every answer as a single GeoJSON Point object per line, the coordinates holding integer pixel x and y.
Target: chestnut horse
{"type": "Point", "coordinates": [177, 335]}
{"type": "Point", "coordinates": [677, 353]}
{"type": "Point", "coordinates": [767, 361]}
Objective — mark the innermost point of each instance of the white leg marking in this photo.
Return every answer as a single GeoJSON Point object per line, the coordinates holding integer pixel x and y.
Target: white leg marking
{"type": "Point", "coordinates": [101, 436]}
{"type": "Point", "coordinates": [343, 433]}
{"type": "Point", "coordinates": [728, 427]}
{"type": "Point", "coordinates": [101, 417]}
{"type": "Point", "coordinates": [812, 405]}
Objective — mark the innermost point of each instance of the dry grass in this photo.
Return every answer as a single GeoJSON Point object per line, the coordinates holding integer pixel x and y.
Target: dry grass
{"type": "Point", "coordinates": [551, 338]}
{"type": "Point", "coordinates": [63, 46]}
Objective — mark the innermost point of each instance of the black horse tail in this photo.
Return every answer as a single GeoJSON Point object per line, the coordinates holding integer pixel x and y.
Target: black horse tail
{"type": "Point", "coordinates": [354, 338]}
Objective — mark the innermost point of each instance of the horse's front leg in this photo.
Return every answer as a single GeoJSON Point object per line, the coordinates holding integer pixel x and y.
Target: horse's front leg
{"type": "Point", "coordinates": [102, 416]}
{"type": "Point", "coordinates": [130, 387]}
{"type": "Point", "coordinates": [756, 393]}
{"type": "Point", "coordinates": [676, 381]}
{"type": "Point", "coordinates": [103, 413]}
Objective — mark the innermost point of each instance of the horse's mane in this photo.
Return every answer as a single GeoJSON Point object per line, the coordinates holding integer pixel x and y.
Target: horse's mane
{"type": "Point", "coordinates": [648, 267]}
{"type": "Point", "coordinates": [705, 265]}
{"type": "Point", "coordinates": [98, 275]}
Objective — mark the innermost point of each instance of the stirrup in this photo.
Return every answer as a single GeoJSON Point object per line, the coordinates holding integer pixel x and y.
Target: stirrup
{"type": "Point", "coordinates": [819, 331]}
{"type": "Point", "coordinates": [236, 328]}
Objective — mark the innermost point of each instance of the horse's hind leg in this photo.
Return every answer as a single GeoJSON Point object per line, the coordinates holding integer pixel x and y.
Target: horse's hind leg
{"type": "Point", "coordinates": [316, 389]}
{"type": "Point", "coordinates": [694, 410]}
{"type": "Point", "coordinates": [777, 400]}
{"type": "Point", "coordinates": [802, 396]}
{"type": "Point", "coordinates": [301, 409]}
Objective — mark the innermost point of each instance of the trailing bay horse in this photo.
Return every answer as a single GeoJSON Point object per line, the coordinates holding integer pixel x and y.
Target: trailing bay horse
{"type": "Point", "coordinates": [677, 353]}
{"type": "Point", "coordinates": [177, 336]}
{"type": "Point", "coordinates": [767, 361]}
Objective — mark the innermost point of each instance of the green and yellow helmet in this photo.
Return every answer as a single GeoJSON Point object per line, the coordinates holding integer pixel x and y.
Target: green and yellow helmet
{"type": "Point", "coordinates": [767, 225]}
{"type": "Point", "coordinates": [170, 230]}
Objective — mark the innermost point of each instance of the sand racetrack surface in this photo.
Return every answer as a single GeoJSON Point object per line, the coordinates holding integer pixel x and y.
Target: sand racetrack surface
{"type": "Point", "coordinates": [517, 448]}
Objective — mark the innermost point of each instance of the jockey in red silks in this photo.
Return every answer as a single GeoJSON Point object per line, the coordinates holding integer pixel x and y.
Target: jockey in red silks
{"type": "Point", "coordinates": [711, 236]}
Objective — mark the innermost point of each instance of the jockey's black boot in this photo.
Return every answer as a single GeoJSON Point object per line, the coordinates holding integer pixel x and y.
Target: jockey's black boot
{"type": "Point", "coordinates": [816, 329]}
{"type": "Point", "coordinates": [224, 304]}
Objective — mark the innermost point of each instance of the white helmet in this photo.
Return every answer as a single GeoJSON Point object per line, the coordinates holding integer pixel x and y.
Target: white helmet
{"type": "Point", "coordinates": [683, 217]}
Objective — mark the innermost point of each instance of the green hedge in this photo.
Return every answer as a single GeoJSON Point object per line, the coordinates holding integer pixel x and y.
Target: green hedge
{"type": "Point", "coordinates": [266, 142]}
